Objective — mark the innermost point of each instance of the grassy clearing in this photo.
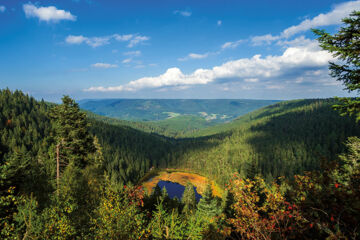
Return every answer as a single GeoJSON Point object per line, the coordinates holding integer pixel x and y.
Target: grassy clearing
{"type": "Point", "coordinates": [182, 178]}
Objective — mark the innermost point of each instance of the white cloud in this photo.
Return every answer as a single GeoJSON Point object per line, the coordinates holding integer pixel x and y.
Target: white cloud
{"type": "Point", "coordinates": [333, 17]}
{"type": "Point", "coordinates": [219, 23]}
{"type": "Point", "coordinates": [183, 13]}
{"type": "Point", "coordinates": [125, 37]}
{"type": "Point", "coordinates": [2, 8]}
{"type": "Point", "coordinates": [299, 41]}
{"type": "Point", "coordinates": [104, 65]}
{"type": "Point", "coordinates": [194, 56]}
{"type": "Point", "coordinates": [232, 44]}
{"type": "Point", "coordinates": [293, 60]}
{"type": "Point", "coordinates": [127, 60]}
{"type": "Point", "coordinates": [100, 41]}
{"type": "Point", "coordinates": [136, 40]}
{"type": "Point", "coordinates": [268, 38]}
{"type": "Point", "coordinates": [75, 39]}
{"type": "Point", "coordinates": [93, 41]}
{"type": "Point", "coordinates": [47, 14]}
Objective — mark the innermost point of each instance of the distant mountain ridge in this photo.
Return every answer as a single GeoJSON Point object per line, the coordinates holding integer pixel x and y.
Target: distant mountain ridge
{"type": "Point", "coordinates": [211, 110]}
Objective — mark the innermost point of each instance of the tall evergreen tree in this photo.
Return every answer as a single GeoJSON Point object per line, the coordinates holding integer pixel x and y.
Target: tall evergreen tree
{"type": "Point", "coordinates": [208, 205]}
{"type": "Point", "coordinates": [72, 134]}
{"type": "Point", "coordinates": [188, 198]}
{"type": "Point", "coordinates": [345, 46]}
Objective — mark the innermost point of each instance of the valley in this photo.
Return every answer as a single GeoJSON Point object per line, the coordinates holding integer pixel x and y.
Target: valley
{"type": "Point", "coordinates": [180, 119]}
{"type": "Point", "coordinates": [174, 116]}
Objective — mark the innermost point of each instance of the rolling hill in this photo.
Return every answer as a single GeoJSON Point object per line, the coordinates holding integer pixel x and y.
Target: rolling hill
{"type": "Point", "coordinates": [211, 110]}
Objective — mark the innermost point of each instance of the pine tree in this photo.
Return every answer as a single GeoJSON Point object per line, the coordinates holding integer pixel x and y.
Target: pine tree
{"type": "Point", "coordinates": [188, 198]}
{"type": "Point", "coordinates": [164, 193]}
{"type": "Point", "coordinates": [208, 205]}
{"type": "Point", "coordinates": [72, 132]}
{"type": "Point", "coordinates": [345, 46]}
{"type": "Point", "coordinates": [74, 142]}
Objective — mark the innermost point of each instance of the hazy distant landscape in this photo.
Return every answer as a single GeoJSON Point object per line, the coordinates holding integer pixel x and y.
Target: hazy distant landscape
{"type": "Point", "coordinates": [210, 110]}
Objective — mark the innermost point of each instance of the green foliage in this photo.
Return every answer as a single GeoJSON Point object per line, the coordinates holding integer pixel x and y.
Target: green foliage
{"type": "Point", "coordinates": [208, 205]}
{"type": "Point", "coordinates": [280, 140]}
{"type": "Point", "coordinates": [71, 129]}
{"type": "Point", "coordinates": [262, 212]}
{"type": "Point", "coordinates": [129, 153]}
{"type": "Point", "coordinates": [189, 199]}
{"type": "Point", "coordinates": [345, 45]}
{"type": "Point", "coordinates": [330, 200]}
{"type": "Point", "coordinates": [166, 225]}
{"type": "Point", "coordinates": [286, 138]}
{"type": "Point", "coordinates": [118, 215]}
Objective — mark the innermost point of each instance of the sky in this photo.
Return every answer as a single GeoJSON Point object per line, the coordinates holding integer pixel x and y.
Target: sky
{"type": "Point", "coordinates": [258, 49]}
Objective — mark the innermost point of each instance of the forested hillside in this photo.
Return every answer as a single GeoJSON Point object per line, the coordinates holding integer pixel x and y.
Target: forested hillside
{"type": "Point", "coordinates": [86, 198]}
{"type": "Point", "coordinates": [27, 132]}
{"type": "Point", "coordinates": [130, 153]}
{"type": "Point", "coordinates": [283, 139]}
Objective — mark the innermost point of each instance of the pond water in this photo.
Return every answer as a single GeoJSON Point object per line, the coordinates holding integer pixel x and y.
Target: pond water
{"type": "Point", "coordinates": [175, 189]}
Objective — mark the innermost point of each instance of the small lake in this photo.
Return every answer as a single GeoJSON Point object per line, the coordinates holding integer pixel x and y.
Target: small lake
{"type": "Point", "coordinates": [176, 190]}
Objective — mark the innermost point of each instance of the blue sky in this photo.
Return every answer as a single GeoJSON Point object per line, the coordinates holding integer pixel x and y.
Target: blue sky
{"type": "Point", "coordinates": [168, 48]}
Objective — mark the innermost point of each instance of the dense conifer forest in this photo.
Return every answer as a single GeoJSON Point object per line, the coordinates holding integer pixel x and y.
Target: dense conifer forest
{"type": "Point", "coordinates": [36, 203]}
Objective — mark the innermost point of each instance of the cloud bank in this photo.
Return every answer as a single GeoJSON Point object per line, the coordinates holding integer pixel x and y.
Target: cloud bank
{"type": "Point", "coordinates": [296, 59]}
{"type": "Point", "coordinates": [47, 14]}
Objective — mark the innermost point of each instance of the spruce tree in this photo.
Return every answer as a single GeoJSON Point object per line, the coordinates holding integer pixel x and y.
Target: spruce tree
{"type": "Point", "coordinates": [208, 205]}
{"type": "Point", "coordinates": [71, 131]}
{"type": "Point", "coordinates": [188, 198]}
{"type": "Point", "coordinates": [345, 46]}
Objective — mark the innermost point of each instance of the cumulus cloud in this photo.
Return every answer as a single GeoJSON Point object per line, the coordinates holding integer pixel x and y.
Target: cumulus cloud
{"type": "Point", "coordinates": [333, 17]}
{"type": "Point", "coordinates": [183, 13]}
{"type": "Point", "coordinates": [194, 56]}
{"type": "Point", "coordinates": [232, 44]}
{"type": "Point", "coordinates": [294, 60]}
{"type": "Point", "coordinates": [47, 14]}
{"type": "Point", "coordinates": [100, 41]}
{"type": "Point", "coordinates": [2, 8]}
{"type": "Point", "coordinates": [104, 65]}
